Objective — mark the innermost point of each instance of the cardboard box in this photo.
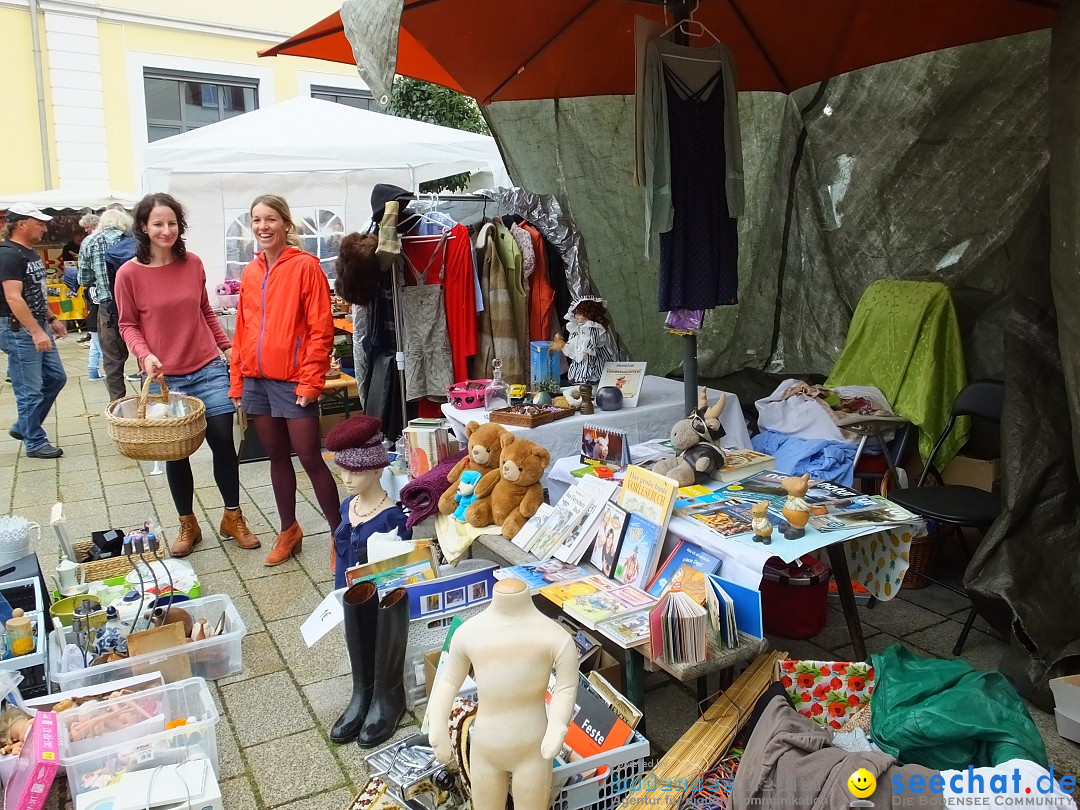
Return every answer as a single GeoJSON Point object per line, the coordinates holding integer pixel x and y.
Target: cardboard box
{"type": "Point", "coordinates": [1067, 706]}
{"type": "Point", "coordinates": [1067, 727]}
{"type": "Point", "coordinates": [33, 775]}
{"type": "Point", "coordinates": [327, 422]}
{"type": "Point", "coordinates": [973, 472]}
{"type": "Point", "coordinates": [611, 671]}
{"type": "Point", "coordinates": [431, 665]}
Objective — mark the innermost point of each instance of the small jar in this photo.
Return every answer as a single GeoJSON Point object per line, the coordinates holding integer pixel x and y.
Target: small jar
{"type": "Point", "coordinates": [20, 633]}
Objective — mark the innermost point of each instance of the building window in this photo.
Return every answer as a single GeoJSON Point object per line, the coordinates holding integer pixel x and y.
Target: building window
{"type": "Point", "coordinates": [361, 99]}
{"type": "Point", "coordinates": [178, 102]}
{"type": "Point", "coordinates": [320, 231]}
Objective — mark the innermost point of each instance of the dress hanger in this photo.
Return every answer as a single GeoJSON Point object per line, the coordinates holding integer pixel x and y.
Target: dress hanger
{"type": "Point", "coordinates": [692, 28]}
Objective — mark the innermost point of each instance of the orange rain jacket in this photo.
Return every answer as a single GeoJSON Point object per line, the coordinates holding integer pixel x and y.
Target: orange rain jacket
{"type": "Point", "coordinates": [284, 324]}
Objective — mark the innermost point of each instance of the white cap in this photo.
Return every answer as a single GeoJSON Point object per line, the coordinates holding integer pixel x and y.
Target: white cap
{"type": "Point", "coordinates": [27, 210]}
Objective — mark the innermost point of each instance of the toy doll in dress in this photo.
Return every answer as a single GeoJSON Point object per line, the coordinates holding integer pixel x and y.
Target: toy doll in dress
{"type": "Point", "coordinates": [590, 343]}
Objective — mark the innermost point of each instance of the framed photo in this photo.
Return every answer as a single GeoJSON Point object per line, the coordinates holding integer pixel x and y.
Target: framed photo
{"type": "Point", "coordinates": [605, 551]}
{"type": "Point", "coordinates": [455, 598]}
{"type": "Point", "coordinates": [478, 592]}
{"type": "Point", "coordinates": [432, 603]}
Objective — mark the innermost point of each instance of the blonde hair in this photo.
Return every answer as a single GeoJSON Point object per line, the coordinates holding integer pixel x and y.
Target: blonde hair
{"type": "Point", "coordinates": [282, 207]}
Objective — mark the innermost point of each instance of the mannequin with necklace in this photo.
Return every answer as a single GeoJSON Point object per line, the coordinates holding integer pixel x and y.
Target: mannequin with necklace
{"type": "Point", "coordinates": [511, 648]}
{"type": "Point", "coordinates": [358, 450]}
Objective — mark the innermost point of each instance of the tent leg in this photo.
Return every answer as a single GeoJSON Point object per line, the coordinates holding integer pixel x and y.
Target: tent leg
{"type": "Point", "coordinates": [690, 373]}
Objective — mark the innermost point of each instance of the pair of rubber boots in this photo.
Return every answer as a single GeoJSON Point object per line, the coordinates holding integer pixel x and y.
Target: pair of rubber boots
{"type": "Point", "coordinates": [375, 634]}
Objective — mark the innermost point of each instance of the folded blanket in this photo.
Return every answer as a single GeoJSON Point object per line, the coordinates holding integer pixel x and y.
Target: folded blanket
{"type": "Point", "coordinates": [421, 495]}
{"type": "Point", "coordinates": [824, 460]}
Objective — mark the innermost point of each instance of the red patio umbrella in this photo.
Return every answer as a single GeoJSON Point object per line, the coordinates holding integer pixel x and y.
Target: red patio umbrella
{"type": "Point", "coordinates": [568, 48]}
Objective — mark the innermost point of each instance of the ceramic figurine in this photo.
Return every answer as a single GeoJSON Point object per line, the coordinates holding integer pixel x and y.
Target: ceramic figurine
{"type": "Point", "coordinates": [591, 343]}
{"type": "Point", "coordinates": [111, 636]}
{"type": "Point", "coordinates": [466, 496]}
{"type": "Point", "coordinates": [760, 523]}
{"type": "Point", "coordinates": [795, 510]}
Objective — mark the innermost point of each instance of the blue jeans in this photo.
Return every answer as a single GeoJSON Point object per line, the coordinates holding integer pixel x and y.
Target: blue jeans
{"type": "Point", "coordinates": [36, 379]}
{"type": "Point", "coordinates": [94, 366]}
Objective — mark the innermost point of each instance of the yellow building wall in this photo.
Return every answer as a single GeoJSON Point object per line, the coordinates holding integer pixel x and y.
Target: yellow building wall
{"type": "Point", "coordinates": [21, 166]}
{"type": "Point", "coordinates": [258, 15]}
{"type": "Point", "coordinates": [119, 39]}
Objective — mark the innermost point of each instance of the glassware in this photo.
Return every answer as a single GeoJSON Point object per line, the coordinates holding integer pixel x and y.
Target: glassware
{"type": "Point", "coordinates": [496, 392]}
{"type": "Point", "coordinates": [20, 633]}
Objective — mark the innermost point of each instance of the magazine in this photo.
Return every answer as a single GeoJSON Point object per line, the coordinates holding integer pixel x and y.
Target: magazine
{"type": "Point", "coordinates": [885, 513]}
{"type": "Point", "coordinates": [591, 609]}
{"type": "Point", "coordinates": [627, 630]}
{"type": "Point", "coordinates": [741, 464]}
{"type": "Point", "coordinates": [822, 497]}
{"type": "Point", "coordinates": [609, 539]}
{"type": "Point", "coordinates": [537, 575]}
{"type": "Point", "coordinates": [627, 377]}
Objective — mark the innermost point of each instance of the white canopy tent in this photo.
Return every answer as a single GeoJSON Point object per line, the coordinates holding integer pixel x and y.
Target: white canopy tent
{"type": "Point", "coordinates": [60, 199]}
{"type": "Point", "coordinates": [324, 158]}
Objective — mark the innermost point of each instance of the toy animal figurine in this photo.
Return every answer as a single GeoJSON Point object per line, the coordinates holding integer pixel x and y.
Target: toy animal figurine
{"type": "Point", "coordinates": [510, 495]}
{"type": "Point", "coordinates": [760, 523]}
{"type": "Point", "coordinates": [710, 414]}
{"type": "Point", "coordinates": [466, 495]}
{"type": "Point", "coordinates": [795, 511]}
{"type": "Point", "coordinates": [695, 455]}
{"type": "Point", "coordinates": [482, 457]}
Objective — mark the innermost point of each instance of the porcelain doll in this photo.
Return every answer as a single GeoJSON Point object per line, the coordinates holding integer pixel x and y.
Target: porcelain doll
{"type": "Point", "coordinates": [590, 343]}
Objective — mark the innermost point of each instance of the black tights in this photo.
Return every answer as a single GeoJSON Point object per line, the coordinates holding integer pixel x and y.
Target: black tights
{"type": "Point", "coordinates": [219, 435]}
{"type": "Point", "coordinates": [281, 438]}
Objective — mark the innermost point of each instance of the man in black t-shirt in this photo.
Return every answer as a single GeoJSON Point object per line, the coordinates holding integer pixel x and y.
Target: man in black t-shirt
{"type": "Point", "coordinates": [28, 328]}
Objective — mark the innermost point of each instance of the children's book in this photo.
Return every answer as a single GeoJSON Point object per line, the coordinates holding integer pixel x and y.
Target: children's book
{"type": "Point", "coordinates": [523, 539]}
{"type": "Point", "coordinates": [742, 464]}
{"type": "Point", "coordinates": [648, 494]}
{"type": "Point", "coordinates": [679, 628]}
{"type": "Point", "coordinates": [537, 575]}
{"type": "Point", "coordinates": [567, 517]}
{"type": "Point", "coordinates": [642, 542]}
{"type": "Point", "coordinates": [591, 609]}
{"type": "Point", "coordinates": [627, 630]}
{"type": "Point", "coordinates": [602, 445]}
{"type": "Point", "coordinates": [744, 609]}
{"type": "Point", "coordinates": [684, 554]}
{"type": "Point", "coordinates": [594, 494]}
{"type": "Point", "coordinates": [609, 537]}
{"type": "Point", "coordinates": [594, 727]}
{"type": "Point", "coordinates": [560, 592]}
{"type": "Point", "coordinates": [627, 377]}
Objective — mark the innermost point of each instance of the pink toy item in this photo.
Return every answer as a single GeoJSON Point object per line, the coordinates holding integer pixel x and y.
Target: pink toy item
{"type": "Point", "coordinates": [467, 395]}
{"type": "Point", "coordinates": [34, 773]}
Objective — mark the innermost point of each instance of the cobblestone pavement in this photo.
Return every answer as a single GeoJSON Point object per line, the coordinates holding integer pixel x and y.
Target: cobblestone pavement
{"type": "Point", "coordinates": [273, 739]}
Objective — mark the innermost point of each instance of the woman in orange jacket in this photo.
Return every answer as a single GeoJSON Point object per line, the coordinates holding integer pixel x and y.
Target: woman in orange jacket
{"type": "Point", "coordinates": [281, 353]}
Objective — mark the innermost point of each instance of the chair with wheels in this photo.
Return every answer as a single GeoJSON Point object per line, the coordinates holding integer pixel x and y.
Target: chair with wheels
{"type": "Point", "coordinates": [957, 505]}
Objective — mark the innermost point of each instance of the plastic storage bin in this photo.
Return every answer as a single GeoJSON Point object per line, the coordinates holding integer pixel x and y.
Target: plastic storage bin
{"type": "Point", "coordinates": [33, 666]}
{"type": "Point", "coordinates": [795, 597]}
{"type": "Point", "coordinates": [92, 756]}
{"type": "Point", "coordinates": [211, 658]}
{"type": "Point", "coordinates": [625, 769]}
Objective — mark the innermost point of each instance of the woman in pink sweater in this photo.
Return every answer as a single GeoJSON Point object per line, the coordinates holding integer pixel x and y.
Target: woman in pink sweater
{"type": "Point", "coordinates": [167, 323]}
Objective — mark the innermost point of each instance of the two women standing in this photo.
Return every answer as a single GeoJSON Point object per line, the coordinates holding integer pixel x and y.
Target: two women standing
{"type": "Point", "coordinates": [276, 361]}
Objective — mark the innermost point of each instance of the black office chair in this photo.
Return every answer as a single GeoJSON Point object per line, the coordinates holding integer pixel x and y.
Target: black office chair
{"type": "Point", "coordinates": [954, 504]}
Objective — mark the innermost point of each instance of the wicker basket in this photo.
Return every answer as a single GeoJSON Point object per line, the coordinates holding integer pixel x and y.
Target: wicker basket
{"type": "Point", "coordinates": [922, 557]}
{"type": "Point", "coordinates": [169, 439]}
{"type": "Point", "coordinates": [505, 416]}
{"type": "Point", "coordinates": [106, 569]}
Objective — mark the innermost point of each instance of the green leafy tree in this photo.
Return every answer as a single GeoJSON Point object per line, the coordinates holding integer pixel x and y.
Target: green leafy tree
{"type": "Point", "coordinates": [423, 101]}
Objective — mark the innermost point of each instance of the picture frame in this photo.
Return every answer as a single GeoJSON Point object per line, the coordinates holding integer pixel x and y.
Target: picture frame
{"type": "Point", "coordinates": [432, 603]}
{"type": "Point", "coordinates": [478, 591]}
{"type": "Point", "coordinates": [454, 598]}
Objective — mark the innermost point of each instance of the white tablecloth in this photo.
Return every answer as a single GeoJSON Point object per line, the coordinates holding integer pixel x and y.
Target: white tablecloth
{"type": "Point", "coordinates": [660, 406]}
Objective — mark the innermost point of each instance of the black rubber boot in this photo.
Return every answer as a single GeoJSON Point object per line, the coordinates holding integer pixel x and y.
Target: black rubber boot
{"type": "Point", "coordinates": [388, 699]}
{"type": "Point", "coordinates": [361, 603]}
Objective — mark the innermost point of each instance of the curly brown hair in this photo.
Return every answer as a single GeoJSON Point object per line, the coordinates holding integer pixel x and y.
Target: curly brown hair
{"type": "Point", "coordinates": [142, 215]}
{"type": "Point", "coordinates": [357, 269]}
{"type": "Point", "coordinates": [594, 311]}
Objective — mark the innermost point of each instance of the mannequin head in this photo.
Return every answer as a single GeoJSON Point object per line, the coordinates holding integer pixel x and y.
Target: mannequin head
{"type": "Point", "coordinates": [361, 483]}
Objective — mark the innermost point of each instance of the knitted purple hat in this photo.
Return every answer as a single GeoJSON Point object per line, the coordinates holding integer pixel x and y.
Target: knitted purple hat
{"type": "Point", "coordinates": [358, 444]}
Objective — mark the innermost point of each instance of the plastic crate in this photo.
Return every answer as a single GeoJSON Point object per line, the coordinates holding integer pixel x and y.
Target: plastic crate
{"type": "Point", "coordinates": [625, 767]}
{"type": "Point", "coordinates": [92, 761]}
{"type": "Point", "coordinates": [26, 594]}
{"type": "Point", "coordinates": [211, 658]}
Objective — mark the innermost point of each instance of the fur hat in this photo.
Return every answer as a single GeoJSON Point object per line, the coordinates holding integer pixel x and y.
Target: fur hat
{"type": "Point", "coordinates": [358, 444]}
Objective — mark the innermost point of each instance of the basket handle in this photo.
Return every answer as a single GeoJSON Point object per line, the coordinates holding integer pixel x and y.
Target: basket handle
{"type": "Point", "coordinates": [145, 396]}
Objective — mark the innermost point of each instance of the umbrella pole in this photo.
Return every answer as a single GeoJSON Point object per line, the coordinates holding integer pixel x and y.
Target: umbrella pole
{"type": "Point", "coordinates": [399, 356]}
{"type": "Point", "coordinates": [690, 373]}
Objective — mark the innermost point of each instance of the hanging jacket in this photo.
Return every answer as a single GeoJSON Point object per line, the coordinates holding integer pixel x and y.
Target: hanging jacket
{"type": "Point", "coordinates": [284, 325]}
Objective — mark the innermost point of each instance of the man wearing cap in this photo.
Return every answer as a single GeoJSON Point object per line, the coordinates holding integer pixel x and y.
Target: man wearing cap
{"type": "Point", "coordinates": [27, 330]}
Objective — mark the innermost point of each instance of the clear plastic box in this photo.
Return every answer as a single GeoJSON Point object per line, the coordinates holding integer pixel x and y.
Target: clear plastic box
{"type": "Point", "coordinates": [132, 733]}
{"type": "Point", "coordinates": [211, 658]}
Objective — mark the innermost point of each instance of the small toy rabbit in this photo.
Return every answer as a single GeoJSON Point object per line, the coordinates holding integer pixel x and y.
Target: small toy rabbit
{"type": "Point", "coordinates": [465, 496]}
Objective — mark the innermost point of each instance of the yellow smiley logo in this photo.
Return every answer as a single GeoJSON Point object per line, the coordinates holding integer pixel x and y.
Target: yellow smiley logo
{"type": "Point", "coordinates": [861, 784]}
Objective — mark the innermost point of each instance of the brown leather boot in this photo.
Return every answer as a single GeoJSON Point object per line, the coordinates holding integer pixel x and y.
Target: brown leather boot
{"type": "Point", "coordinates": [190, 534]}
{"type": "Point", "coordinates": [233, 525]}
{"type": "Point", "coordinates": [289, 542]}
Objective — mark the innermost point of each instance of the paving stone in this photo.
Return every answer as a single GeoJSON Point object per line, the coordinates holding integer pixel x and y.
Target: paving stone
{"type": "Point", "coordinates": [226, 581]}
{"type": "Point", "coordinates": [807, 650]}
{"type": "Point", "coordinates": [284, 595]}
{"type": "Point", "coordinates": [329, 698]}
{"type": "Point", "coordinates": [79, 440]}
{"type": "Point", "coordinates": [336, 799]}
{"type": "Point", "coordinates": [874, 644]}
{"type": "Point", "coordinates": [262, 497]}
{"type": "Point", "coordinates": [936, 598]}
{"type": "Point", "coordinates": [74, 464]}
{"type": "Point", "coordinates": [897, 617]}
{"type": "Point", "coordinates": [294, 767]}
{"type": "Point", "coordinates": [261, 657]}
{"type": "Point", "coordinates": [246, 608]}
{"type": "Point", "coordinates": [317, 567]}
{"type": "Point", "coordinates": [661, 707]}
{"type": "Point", "coordinates": [230, 763]}
{"type": "Point", "coordinates": [209, 560]}
{"type": "Point", "coordinates": [249, 562]}
{"type": "Point", "coordinates": [27, 464]}
{"type": "Point", "coordinates": [352, 755]}
{"type": "Point", "coordinates": [327, 659]}
{"type": "Point", "coordinates": [836, 632]}
{"type": "Point", "coordinates": [122, 494]}
{"type": "Point", "coordinates": [237, 794]}
{"type": "Point", "coordinates": [265, 708]}
{"type": "Point", "coordinates": [1063, 754]}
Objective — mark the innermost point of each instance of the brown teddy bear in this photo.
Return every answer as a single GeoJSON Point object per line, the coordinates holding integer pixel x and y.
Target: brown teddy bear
{"type": "Point", "coordinates": [510, 495]}
{"type": "Point", "coordinates": [483, 457]}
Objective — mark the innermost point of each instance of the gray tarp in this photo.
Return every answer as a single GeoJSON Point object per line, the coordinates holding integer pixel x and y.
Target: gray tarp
{"type": "Point", "coordinates": [930, 167]}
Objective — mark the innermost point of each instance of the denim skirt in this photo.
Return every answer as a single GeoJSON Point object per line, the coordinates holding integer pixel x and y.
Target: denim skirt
{"type": "Point", "coordinates": [209, 383]}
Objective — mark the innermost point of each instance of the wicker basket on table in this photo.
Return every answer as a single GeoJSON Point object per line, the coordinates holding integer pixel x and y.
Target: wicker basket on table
{"type": "Point", "coordinates": [97, 570]}
{"type": "Point", "coordinates": [169, 439]}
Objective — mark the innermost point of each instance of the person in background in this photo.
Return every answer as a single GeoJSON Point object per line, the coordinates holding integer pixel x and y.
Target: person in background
{"type": "Point", "coordinates": [28, 330]}
{"type": "Point", "coordinates": [166, 320]}
{"type": "Point", "coordinates": [87, 225]}
{"type": "Point", "coordinates": [284, 334]}
{"type": "Point", "coordinates": [114, 223]}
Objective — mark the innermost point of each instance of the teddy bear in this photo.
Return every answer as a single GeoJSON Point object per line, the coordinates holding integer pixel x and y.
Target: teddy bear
{"type": "Point", "coordinates": [466, 493]}
{"type": "Point", "coordinates": [796, 511]}
{"type": "Point", "coordinates": [483, 457]}
{"type": "Point", "coordinates": [693, 455]}
{"type": "Point", "coordinates": [510, 495]}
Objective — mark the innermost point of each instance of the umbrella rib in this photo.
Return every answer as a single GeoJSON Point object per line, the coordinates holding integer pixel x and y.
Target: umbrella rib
{"type": "Point", "coordinates": [535, 56]}
{"type": "Point", "coordinates": [761, 48]}
{"type": "Point", "coordinates": [337, 29]}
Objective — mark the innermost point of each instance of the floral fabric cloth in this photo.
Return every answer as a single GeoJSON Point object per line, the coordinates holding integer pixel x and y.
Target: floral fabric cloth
{"type": "Point", "coordinates": [828, 692]}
